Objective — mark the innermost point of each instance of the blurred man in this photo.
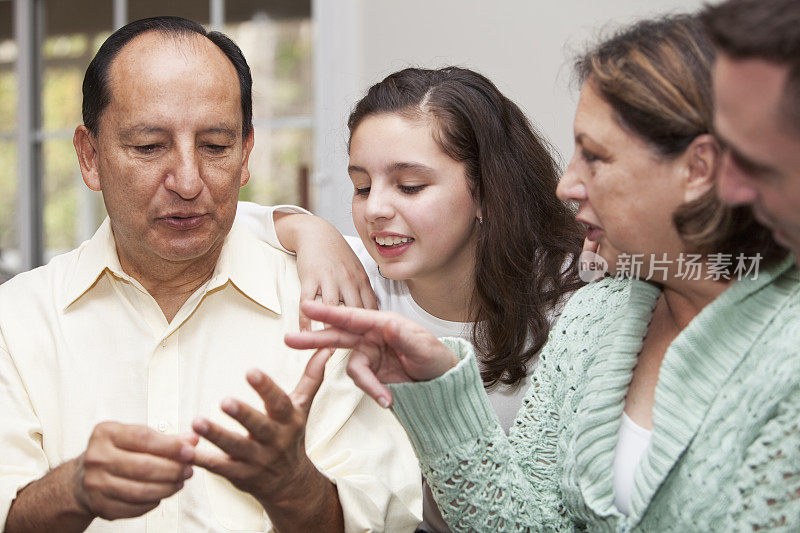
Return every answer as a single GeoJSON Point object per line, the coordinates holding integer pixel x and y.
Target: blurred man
{"type": "Point", "coordinates": [757, 109]}
{"type": "Point", "coordinates": [116, 357]}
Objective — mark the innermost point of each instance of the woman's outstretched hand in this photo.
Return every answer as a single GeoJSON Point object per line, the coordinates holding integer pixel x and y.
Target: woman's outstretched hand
{"type": "Point", "coordinates": [386, 347]}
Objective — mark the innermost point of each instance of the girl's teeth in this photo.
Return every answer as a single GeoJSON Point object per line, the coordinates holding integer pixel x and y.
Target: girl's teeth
{"type": "Point", "coordinates": [392, 240]}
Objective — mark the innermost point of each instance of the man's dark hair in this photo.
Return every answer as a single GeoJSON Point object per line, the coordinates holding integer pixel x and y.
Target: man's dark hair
{"type": "Point", "coordinates": [761, 29]}
{"type": "Point", "coordinates": [96, 93]}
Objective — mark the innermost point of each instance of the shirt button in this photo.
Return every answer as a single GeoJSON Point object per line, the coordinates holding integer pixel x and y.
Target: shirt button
{"type": "Point", "coordinates": [162, 426]}
{"type": "Point", "coordinates": [164, 343]}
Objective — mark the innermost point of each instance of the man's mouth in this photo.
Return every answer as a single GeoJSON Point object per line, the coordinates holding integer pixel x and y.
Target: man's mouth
{"type": "Point", "coordinates": [184, 221]}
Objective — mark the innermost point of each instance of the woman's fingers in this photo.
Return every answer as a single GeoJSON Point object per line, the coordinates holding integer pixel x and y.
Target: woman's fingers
{"type": "Point", "coordinates": [332, 337]}
{"type": "Point", "coordinates": [346, 318]}
{"type": "Point", "coordinates": [358, 368]}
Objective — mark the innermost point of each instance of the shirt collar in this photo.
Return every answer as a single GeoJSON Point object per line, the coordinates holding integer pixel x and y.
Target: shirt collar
{"type": "Point", "coordinates": [95, 256]}
{"type": "Point", "coordinates": [249, 264]}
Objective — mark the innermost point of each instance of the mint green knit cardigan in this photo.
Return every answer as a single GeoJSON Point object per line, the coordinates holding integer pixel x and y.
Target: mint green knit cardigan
{"type": "Point", "coordinates": [725, 451]}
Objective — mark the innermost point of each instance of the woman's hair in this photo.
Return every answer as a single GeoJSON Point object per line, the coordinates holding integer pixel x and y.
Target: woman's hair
{"type": "Point", "coordinates": [656, 76]}
{"type": "Point", "coordinates": [528, 244]}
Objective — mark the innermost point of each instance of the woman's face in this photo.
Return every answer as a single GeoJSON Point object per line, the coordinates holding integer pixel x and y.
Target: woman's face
{"type": "Point", "coordinates": [412, 206]}
{"type": "Point", "coordinates": [626, 194]}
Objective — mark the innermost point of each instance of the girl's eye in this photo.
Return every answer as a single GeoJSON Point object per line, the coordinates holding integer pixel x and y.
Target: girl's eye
{"type": "Point", "coordinates": [364, 191]}
{"type": "Point", "coordinates": [411, 189]}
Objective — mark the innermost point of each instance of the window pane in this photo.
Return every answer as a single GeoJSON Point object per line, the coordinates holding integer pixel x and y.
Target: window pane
{"type": "Point", "coordinates": [74, 32]}
{"type": "Point", "coordinates": [61, 179]}
{"type": "Point", "coordinates": [8, 91]}
{"type": "Point", "coordinates": [279, 55]}
{"type": "Point", "coordinates": [189, 9]}
{"type": "Point", "coordinates": [9, 245]}
{"type": "Point", "coordinates": [275, 165]}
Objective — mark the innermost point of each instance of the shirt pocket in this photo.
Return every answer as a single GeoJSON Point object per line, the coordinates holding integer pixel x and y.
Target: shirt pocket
{"type": "Point", "coordinates": [233, 509]}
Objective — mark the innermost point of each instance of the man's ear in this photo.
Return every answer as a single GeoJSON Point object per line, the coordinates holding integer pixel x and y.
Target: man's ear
{"type": "Point", "coordinates": [247, 147]}
{"type": "Point", "coordinates": [702, 159]}
{"type": "Point", "coordinates": [86, 147]}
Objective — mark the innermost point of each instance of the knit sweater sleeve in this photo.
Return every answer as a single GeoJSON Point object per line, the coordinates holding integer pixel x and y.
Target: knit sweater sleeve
{"type": "Point", "coordinates": [481, 479]}
{"type": "Point", "coordinates": [767, 489]}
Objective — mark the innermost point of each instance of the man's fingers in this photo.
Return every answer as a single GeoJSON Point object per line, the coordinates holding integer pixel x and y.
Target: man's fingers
{"type": "Point", "coordinates": [235, 445]}
{"type": "Point", "coordinates": [362, 375]}
{"type": "Point", "coordinates": [276, 401]}
{"type": "Point", "coordinates": [311, 380]}
{"type": "Point", "coordinates": [255, 422]}
{"type": "Point", "coordinates": [220, 464]}
{"type": "Point", "coordinates": [133, 492]}
{"type": "Point", "coordinates": [146, 440]}
{"type": "Point", "coordinates": [147, 468]}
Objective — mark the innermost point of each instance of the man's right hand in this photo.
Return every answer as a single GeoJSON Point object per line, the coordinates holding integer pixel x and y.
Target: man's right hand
{"type": "Point", "coordinates": [127, 470]}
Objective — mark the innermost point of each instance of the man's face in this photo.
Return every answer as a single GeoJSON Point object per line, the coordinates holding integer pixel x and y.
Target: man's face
{"type": "Point", "coordinates": [762, 164]}
{"type": "Point", "coordinates": [169, 157]}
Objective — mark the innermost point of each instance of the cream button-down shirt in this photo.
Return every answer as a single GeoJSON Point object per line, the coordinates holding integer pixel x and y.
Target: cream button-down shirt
{"type": "Point", "coordinates": [82, 342]}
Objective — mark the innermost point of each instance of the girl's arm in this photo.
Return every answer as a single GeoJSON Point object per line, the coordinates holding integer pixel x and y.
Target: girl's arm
{"type": "Point", "coordinates": [326, 264]}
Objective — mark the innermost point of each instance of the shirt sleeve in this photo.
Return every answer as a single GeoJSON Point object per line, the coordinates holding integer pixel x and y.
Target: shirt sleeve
{"type": "Point", "coordinates": [260, 221]}
{"type": "Point", "coordinates": [481, 479]}
{"type": "Point", "coordinates": [22, 459]}
{"type": "Point", "coordinates": [368, 457]}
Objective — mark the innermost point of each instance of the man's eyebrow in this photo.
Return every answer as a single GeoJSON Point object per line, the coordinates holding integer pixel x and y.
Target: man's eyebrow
{"type": "Point", "coordinates": [747, 163]}
{"type": "Point", "coordinates": [141, 129]}
{"type": "Point", "coordinates": [228, 132]}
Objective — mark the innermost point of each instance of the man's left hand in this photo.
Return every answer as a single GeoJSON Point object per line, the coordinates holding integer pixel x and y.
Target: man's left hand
{"type": "Point", "coordinates": [270, 462]}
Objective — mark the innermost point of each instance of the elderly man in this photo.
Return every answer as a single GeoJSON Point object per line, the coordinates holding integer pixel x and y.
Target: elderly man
{"type": "Point", "coordinates": [757, 109]}
{"type": "Point", "coordinates": [113, 353]}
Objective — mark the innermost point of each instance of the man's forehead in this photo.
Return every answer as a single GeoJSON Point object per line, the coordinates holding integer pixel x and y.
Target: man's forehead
{"type": "Point", "coordinates": [151, 49]}
{"type": "Point", "coordinates": [160, 80]}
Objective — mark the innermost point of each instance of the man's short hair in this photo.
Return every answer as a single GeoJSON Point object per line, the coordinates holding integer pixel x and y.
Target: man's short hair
{"type": "Point", "coordinates": [97, 96]}
{"type": "Point", "coordinates": [761, 29]}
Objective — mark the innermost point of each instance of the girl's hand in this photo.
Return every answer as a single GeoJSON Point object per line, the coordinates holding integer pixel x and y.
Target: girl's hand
{"type": "Point", "coordinates": [326, 264]}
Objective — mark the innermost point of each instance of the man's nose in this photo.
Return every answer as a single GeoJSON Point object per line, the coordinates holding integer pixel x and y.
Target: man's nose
{"type": "Point", "coordinates": [184, 177]}
{"type": "Point", "coordinates": [734, 187]}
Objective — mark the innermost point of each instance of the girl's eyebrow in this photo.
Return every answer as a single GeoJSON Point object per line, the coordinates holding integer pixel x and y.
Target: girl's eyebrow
{"type": "Point", "coordinates": [415, 167]}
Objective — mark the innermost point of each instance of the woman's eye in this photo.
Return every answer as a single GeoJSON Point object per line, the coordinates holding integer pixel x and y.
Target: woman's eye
{"type": "Point", "coordinates": [363, 191]}
{"type": "Point", "coordinates": [589, 157]}
{"type": "Point", "coordinates": [411, 189]}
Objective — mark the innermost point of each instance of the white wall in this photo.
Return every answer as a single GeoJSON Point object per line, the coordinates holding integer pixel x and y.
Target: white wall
{"type": "Point", "coordinates": [524, 46]}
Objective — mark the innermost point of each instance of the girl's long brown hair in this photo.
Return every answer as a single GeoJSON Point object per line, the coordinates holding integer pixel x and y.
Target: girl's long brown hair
{"type": "Point", "coordinates": [529, 243]}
